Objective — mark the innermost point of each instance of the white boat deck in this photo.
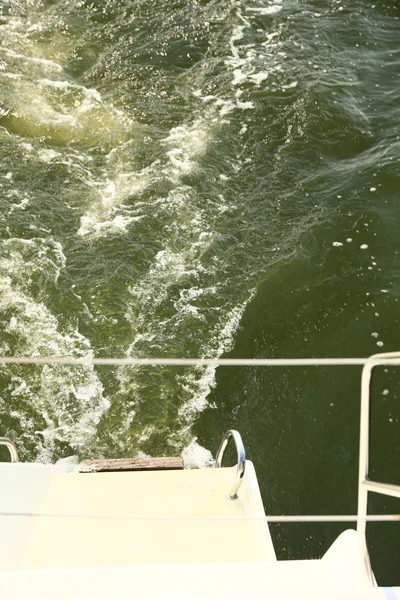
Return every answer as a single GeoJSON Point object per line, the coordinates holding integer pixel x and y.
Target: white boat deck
{"type": "Point", "coordinates": [279, 580]}
{"type": "Point", "coordinates": [172, 536]}
{"type": "Point", "coordinates": [159, 538]}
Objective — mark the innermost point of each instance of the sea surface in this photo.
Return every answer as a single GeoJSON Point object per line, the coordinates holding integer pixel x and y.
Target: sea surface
{"type": "Point", "coordinates": [205, 179]}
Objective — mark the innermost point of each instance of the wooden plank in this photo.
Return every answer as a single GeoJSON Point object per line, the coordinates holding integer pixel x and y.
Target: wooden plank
{"type": "Point", "coordinates": [164, 463]}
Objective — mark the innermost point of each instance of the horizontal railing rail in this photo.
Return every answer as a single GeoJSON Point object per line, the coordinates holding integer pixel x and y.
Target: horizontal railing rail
{"type": "Point", "coordinates": [187, 362]}
{"type": "Point", "coordinates": [264, 519]}
{"type": "Point", "coordinates": [386, 489]}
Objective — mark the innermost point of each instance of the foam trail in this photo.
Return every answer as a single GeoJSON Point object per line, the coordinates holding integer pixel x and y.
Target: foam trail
{"type": "Point", "coordinates": [183, 146]}
{"type": "Point", "coordinates": [157, 329]}
{"type": "Point", "coordinates": [149, 218]}
{"type": "Point", "coordinates": [52, 406]}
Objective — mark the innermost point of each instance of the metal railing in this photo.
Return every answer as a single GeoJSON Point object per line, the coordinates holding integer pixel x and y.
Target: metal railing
{"type": "Point", "coordinates": [11, 448]}
{"type": "Point", "coordinates": [241, 460]}
{"type": "Point", "coordinates": [365, 485]}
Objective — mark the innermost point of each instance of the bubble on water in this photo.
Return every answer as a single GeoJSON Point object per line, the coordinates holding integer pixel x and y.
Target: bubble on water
{"type": "Point", "coordinates": [337, 244]}
{"type": "Point", "coordinates": [385, 392]}
{"type": "Point", "coordinates": [364, 246]}
{"type": "Point", "coordinates": [379, 344]}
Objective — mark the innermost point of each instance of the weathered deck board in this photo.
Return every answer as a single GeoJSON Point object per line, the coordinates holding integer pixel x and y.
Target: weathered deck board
{"type": "Point", "coordinates": [164, 463]}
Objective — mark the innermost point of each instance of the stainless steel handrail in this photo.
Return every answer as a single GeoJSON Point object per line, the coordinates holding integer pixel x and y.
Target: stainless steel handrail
{"type": "Point", "coordinates": [11, 448]}
{"type": "Point", "coordinates": [241, 456]}
{"type": "Point", "coordinates": [364, 484]}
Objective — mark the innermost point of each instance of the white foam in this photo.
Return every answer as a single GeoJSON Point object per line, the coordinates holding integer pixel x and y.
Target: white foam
{"type": "Point", "coordinates": [185, 144]}
{"type": "Point", "coordinates": [259, 77]}
{"type": "Point", "coordinates": [237, 35]}
{"type": "Point", "coordinates": [196, 456]}
{"type": "Point", "coordinates": [71, 405]}
{"type": "Point", "coordinates": [48, 155]}
{"type": "Point", "coordinates": [90, 225]}
{"type": "Point", "coordinates": [227, 106]}
{"type": "Point", "coordinates": [220, 343]}
{"type": "Point", "coordinates": [244, 61]}
{"type": "Point", "coordinates": [53, 65]}
{"type": "Point", "coordinates": [245, 105]}
{"type": "Point", "coordinates": [187, 233]}
{"type": "Point", "coordinates": [44, 99]}
{"type": "Point", "coordinates": [265, 10]}
{"type": "Point", "coordinates": [69, 464]}
{"type": "Point", "coordinates": [103, 216]}
{"type": "Point", "coordinates": [239, 77]}
{"type": "Point", "coordinates": [290, 86]}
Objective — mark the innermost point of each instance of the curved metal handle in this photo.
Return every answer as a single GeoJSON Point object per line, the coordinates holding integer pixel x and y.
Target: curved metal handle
{"type": "Point", "coordinates": [11, 448]}
{"type": "Point", "coordinates": [241, 464]}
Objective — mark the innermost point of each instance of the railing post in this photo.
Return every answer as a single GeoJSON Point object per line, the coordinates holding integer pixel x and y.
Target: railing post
{"type": "Point", "coordinates": [241, 464]}
{"type": "Point", "coordinates": [363, 461]}
{"type": "Point", "coordinates": [363, 467]}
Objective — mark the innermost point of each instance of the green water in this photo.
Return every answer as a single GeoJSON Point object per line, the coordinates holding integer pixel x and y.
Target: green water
{"type": "Point", "coordinates": [182, 179]}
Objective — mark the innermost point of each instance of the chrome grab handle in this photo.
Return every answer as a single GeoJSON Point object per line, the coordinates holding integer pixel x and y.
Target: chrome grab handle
{"type": "Point", "coordinates": [241, 464]}
{"type": "Point", "coordinates": [11, 448]}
